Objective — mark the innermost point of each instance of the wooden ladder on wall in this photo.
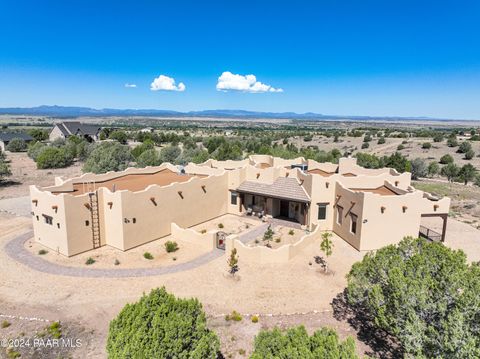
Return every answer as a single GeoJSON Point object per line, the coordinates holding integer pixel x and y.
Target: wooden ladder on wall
{"type": "Point", "coordinates": [95, 219]}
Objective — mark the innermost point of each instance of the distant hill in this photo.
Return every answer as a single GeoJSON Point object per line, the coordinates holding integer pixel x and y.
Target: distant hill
{"type": "Point", "coordinates": [72, 111]}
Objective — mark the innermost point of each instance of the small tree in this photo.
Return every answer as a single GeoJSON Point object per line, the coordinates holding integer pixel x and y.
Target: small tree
{"type": "Point", "coordinates": [465, 147]}
{"type": "Point", "coordinates": [162, 326]}
{"type": "Point", "coordinates": [381, 140]}
{"type": "Point", "coordinates": [467, 173]}
{"type": "Point", "coordinates": [433, 169]}
{"type": "Point", "coordinates": [452, 141]}
{"type": "Point", "coordinates": [53, 157]}
{"type": "Point", "coordinates": [418, 168]}
{"type": "Point", "coordinates": [446, 159]}
{"type": "Point", "coordinates": [233, 262]}
{"type": "Point", "coordinates": [268, 235]}
{"type": "Point", "coordinates": [426, 145]}
{"type": "Point", "coordinates": [326, 246]}
{"type": "Point", "coordinates": [4, 170]}
{"type": "Point", "coordinates": [469, 154]}
{"type": "Point", "coordinates": [119, 136]}
{"type": "Point", "coordinates": [450, 171]}
{"type": "Point", "coordinates": [16, 145]}
{"type": "Point", "coordinates": [108, 156]}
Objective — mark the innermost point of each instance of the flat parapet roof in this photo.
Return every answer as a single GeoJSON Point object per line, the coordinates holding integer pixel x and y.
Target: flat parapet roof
{"type": "Point", "coordinates": [320, 172]}
{"type": "Point", "coordinates": [382, 191]}
{"type": "Point", "coordinates": [131, 182]}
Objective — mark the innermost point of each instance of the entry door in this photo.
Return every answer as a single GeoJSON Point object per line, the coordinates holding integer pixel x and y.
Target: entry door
{"type": "Point", "coordinates": [284, 209]}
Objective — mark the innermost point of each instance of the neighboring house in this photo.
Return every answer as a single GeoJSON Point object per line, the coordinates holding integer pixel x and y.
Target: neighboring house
{"type": "Point", "coordinates": [368, 208]}
{"type": "Point", "coordinates": [66, 129]}
{"type": "Point", "coordinates": [6, 137]}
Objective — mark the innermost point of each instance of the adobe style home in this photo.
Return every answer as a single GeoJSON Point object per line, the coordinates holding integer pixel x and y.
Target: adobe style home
{"type": "Point", "coordinates": [368, 208]}
{"type": "Point", "coordinates": [65, 129]}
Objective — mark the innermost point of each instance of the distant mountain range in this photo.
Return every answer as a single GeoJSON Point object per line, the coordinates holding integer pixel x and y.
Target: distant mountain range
{"type": "Point", "coordinates": [72, 111]}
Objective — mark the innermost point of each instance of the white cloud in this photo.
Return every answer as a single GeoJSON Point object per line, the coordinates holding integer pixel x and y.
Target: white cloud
{"type": "Point", "coordinates": [248, 83]}
{"type": "Point", "coordinates": [130, 85]}
{"type": "Point", "coordinates": [165, 83]}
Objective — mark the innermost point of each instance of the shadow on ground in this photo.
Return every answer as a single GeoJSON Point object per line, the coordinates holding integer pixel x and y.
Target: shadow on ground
{"type": "Point", "coordinates": [383, 344]}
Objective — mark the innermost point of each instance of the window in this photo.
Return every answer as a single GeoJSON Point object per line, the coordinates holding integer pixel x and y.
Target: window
{"type": "Point", "coordinates": [233, 198]}
{"type": "Point", "coordinates": [339, 215]}
{"type": "Point", "coordinates": [322, 211]}
{"type": "Point", "coordinates": [353, 223]}
{"type": "Point", "coordinates": [48, 219]}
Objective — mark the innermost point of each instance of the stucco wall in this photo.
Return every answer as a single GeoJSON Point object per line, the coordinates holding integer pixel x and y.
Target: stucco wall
{"type": "Point", "coordinates": [205, 240]}
{"type": "Point", "coordinates": [265, 255]}
{"type": "Point", "coordinates": [143, 221]}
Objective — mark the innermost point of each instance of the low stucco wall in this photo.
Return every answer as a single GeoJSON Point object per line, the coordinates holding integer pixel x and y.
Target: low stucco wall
{"type": "Point", "coordinates": [265, 255]}
{"type": "Point", "coordinates": [206, 240]}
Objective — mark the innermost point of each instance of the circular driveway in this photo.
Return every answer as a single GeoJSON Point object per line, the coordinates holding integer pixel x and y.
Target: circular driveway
{"type": "Point", "coordinates": [16, 250]}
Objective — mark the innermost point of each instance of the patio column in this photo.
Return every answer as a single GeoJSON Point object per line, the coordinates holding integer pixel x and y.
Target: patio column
{"type": "Point", "coordinates": [444, 229]}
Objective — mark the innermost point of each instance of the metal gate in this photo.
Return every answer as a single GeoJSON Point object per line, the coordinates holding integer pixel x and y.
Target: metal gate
{"type": "Point", "coordinates": [221, 240]}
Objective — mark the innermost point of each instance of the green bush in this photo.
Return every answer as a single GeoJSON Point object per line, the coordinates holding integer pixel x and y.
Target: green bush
{"type": "Point", "coordinates": [4, 169]}
{"type": "Point", "coordinates": [400, 147]}
{"type": "Point", "coordinates": [235, 316]}
{"type": "Point", "coordinates": [426, 145]}
{"type": "Point", "coordinates": [55, 330]}
{"type": "Point", "coordinates": [446, 159]}
{"type": "Point", "coordinates": [119, 136]}
{"type": "Point", "coordinates": [162, 326]}
{"type": "Point", "coordinates": [220, 225]}
{"type": "Point", "coordinates": [38, 134]}
{"type": "Point", "coordinates": [469, 154]}
{"type": "Point", "coordinates": [89, 261]}
{"type": "Point", "coordinates": [291, 232]}
{"type": "Point", "coordinates": [53, 157]}
{"type": "Point", "coordinates": [42, 252]}
{"type": "Point", "coordinates": [255, 319]}
{"type": "Point", "coordinates": [148, 255]}
{"type": "Point", "coordinates": [296, 343]}
{"type": "Point", "coordinates": [423, 293]}
{"type": "Point", "coordinates": [464, 147]}
{"type": "Point", "coordinates": [5, 324]}
{"type": "Point", "coordinates": [149, 158]}
{"type": "Point", "coordinates": [35, 149]}
{"type": "Point", "coordinates": [171, 246]}
{"type": "Point", "coordinates": [381, 141]}
{"type": "Point", "coordinates": [108, 156]}
{"type": "Point", "coordinates": [16, 145]}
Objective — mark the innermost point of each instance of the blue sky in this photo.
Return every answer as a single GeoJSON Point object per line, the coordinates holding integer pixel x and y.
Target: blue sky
{"type": "Point", "coordinates": [365, 57]}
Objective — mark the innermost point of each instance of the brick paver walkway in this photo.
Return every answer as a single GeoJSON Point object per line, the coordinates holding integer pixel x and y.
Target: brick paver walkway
{"type": "Point", "coordinates": [15, 249]}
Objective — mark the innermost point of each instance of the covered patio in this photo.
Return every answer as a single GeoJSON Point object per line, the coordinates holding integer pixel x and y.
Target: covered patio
{"type": "Point", "coordinates": [285, 198]}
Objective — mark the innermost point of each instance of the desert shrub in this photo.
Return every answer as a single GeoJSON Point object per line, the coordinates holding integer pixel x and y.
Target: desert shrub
{"type": "Point", "coordinates": [16, 145]}
{"type": "Point", "coordinates": [381, 141]}
{"type": "Point", "coordinates": [12, 353]}
{"type": "Point", "coordinates": [55, 330]}
{"type": "Point", "coordinates": [108, 156]}
{"type": "Point", "coordinates": [89, 261]}
{"type": "Point", "coordinates": [464, 147]}
{"type": "Point", "coordinates": [400, 147]}
{"type": "Point", "coordinates": [5, 324]}
{"type": "Point", "coordinates": [149, 158]}
{"type": "Point", "coordinates": [234, 315]}
{"type": "Point", "coordinates": [38, 134]}
{"type": "Point", "coordinates": [170, 154]}
{"type": "Point", "coordinates": [278, 240]}
{"type": "Point", "coordinates": [162, 326]}
{"type": "Point", "coordinates": [255, 319]}
{"type": "Point", "coordinates": [365, 145]}
{"type": "Point", "coordinates": [4, 169]}
{"type": "Point", "coordinates": [221, 226]}
{"type": "Point", "coordinates": [119, 136]}
{"type": "Point", "coordinates": [203, 231]}
{"type": "Point", "coordinates": [452, 142]}
{"type": "Point", "coordinates": [433, 169]}
{"type": "Point", "coordinates": [446, 159]}
{"type": "Point", "coordinates": [296, 343]}
{"type": "Point", "coordinates": [116, 262]}
{"type": "Point", "coordinates": [469, 154]}
{"type": "Point", "coordinates": [42, 252]}
{"type": "Point", "coordinates": [423, 293]}
{"type": "Point", "coordinates": [418, 168]}
{"type": "Point", "coordinates": [438, 137]}
{"type": "Point", "coordinates": [171, 246]}
{"type": "Point", "coordinates": [53, 157]}
{"type": "Point", "coordinates": [291, 232]}
{"type": "Point", "coordinates": [35, 149]}
{"type": "Point", "coordinates": [148, 255]}
{"type": "Point", "coordinates": [426, 145]}
{"type": "Point", "coordinates": [450, 171]}
{"type": "Point", "coordinates": [138, 150]}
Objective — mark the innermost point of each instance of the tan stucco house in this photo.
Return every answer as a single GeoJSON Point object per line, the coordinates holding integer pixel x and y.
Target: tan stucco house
{"type": "Point", "coordinates": [368, 208]}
